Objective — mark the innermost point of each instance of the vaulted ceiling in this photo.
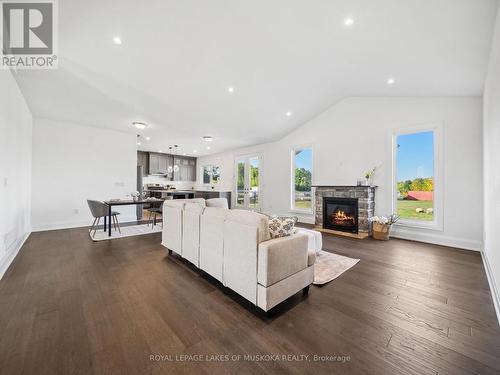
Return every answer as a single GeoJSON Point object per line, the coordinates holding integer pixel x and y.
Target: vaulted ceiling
{"type": "Point", "coordinates": [178, 59]}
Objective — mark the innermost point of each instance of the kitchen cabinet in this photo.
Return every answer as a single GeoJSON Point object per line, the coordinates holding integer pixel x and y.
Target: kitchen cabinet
{"type": "Point", "coordinates": [143, 161]}
{"type": "Point", "coordinates": [187, 169]}
{"type": "Point", "coordinates": [157, 163]}
{"type": "Point", "coordinates": [154, 163]}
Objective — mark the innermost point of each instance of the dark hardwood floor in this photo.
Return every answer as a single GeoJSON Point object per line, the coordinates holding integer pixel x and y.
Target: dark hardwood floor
{"type": "Point", "coordinates": [72, 306]}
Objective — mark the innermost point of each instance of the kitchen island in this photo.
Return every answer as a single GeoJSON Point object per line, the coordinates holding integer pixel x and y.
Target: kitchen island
{"type": "Point", "coordinates": [162, 193]}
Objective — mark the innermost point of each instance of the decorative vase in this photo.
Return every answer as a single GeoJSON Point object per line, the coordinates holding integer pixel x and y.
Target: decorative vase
{"type": "Point", "coordinates": [381, 232]}
{"type": "Point", "coordinates": [367, 181]}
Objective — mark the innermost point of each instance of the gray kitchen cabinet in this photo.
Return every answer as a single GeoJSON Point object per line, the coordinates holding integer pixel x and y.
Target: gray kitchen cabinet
{"type": "Point", "coordinates": [156, 163]}
{"type": "Point", "coordinates": [143, 161]}
{"type": "Point", "coordinates": [165, 162]}
{"type": "Point", "coordinates": [187, 169]}
{"type": "Point", "coordinates": [184, 170]}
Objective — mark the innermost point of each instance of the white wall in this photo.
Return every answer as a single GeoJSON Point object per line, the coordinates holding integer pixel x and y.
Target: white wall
{"type": "Point", "coordinates": [73, 163]}
{"type": "Point", "coordinates": [15, 169]}
{"type": "Point", "coordinates": [491, 134]}
{"type": "Point", "coordinates": [354, 135]}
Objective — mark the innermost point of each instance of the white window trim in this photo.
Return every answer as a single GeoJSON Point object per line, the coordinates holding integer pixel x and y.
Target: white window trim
{"type": "Point", "coordinates": [437, 128]}
{"type": "Point", "coordinates": [293, 209]}
{"type": "Point", "coordinates": [236, 158]}
{"type": "Point", "coordinates": [203, 175]}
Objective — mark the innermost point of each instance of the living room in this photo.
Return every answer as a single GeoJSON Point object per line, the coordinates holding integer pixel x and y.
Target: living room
{"type": "Point", "coordinates": [278, 187]}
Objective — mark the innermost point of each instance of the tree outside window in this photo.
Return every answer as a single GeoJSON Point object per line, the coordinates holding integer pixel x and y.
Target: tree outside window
{"type": "Point", "coordinates": [302, 179]}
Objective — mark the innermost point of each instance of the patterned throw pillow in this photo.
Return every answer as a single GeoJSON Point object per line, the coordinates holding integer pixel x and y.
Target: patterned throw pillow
{"type": "Point", "coordinates": [281, 226]}
{"type": "Point", "coordinates": [294, 218]}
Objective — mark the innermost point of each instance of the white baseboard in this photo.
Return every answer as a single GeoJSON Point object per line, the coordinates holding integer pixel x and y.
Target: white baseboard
{"type": "Point", "coordinates": [461, 243]}
{"type": "Point", "coordinates": [6, 261]}
{"type": "Point", "coordinates": [493, 285]}
{"type": "Point", "coordinates": [75, 224]}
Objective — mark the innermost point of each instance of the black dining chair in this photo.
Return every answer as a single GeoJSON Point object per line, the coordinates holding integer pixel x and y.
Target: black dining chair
{"type": "Point", "coordinates": [154, 211]}
{"type": "Point", "coordinates": [99, 210]}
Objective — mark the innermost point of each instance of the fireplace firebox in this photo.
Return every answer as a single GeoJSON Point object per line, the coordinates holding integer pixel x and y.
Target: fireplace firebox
{"type": "Point", "coordinates": [340, 214]}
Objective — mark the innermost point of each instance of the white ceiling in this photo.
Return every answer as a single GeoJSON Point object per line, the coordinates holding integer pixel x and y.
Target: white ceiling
{"type": "Point", "coordinates": [178, 58]}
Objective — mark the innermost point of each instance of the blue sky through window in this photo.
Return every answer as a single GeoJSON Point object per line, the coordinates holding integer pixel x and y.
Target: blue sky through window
{"type": "Point", "coordinates": [303, 159]}
{"type": "Point", "coordinates": [415, 156]}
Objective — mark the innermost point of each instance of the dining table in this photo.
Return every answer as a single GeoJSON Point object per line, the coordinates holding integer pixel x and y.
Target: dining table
{"type": "Point", "coordinates": [125, 202]}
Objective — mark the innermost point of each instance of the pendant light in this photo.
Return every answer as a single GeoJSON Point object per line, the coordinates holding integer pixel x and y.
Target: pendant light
{"type": "Point", "coordinates": [176, 166]}
{"type": "Point", "coordinates": [170, 169]}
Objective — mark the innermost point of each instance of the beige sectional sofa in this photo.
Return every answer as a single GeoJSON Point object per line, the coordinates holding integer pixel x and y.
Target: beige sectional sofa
{"type": "Point", "coordinates": [234, 246]}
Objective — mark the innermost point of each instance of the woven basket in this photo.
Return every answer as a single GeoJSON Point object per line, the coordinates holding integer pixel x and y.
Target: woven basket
{"type": "Point", "coordinates": [381, 231]}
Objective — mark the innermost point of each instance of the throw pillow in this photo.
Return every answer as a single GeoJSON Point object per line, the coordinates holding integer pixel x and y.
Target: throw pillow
{"type": "Point", "coordinates": [294, 218]}
{"type": "Point", "coordinates": [281, 226]}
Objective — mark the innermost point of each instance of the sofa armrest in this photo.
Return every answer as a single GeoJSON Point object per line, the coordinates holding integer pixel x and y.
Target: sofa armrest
{"type": "Point", "coordinates": [281, 257]}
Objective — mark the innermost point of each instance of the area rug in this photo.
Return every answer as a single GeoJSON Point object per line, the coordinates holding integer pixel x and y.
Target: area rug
{"type": "Point", "coordinates": [329, 266]}
{"type": "Point", "coordinates": [126, 231]}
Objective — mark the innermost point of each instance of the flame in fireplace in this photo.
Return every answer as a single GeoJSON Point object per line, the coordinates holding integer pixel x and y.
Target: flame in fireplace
{"type": "Point", "coordinates": [341, 217]}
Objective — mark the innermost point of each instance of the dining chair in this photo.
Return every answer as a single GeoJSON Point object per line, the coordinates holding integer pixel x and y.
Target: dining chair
{"type": "Point", "coordinates": [99, 210]}
{"type": "Point", "coordinates": [153, 212]}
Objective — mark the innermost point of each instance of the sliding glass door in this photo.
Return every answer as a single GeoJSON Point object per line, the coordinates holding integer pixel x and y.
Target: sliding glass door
{"type": "Point", "coordinates": [247, 182]}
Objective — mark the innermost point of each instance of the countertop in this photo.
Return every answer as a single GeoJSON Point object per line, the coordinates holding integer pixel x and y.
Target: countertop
{"type": "Point", "coordinates": [187, 191]}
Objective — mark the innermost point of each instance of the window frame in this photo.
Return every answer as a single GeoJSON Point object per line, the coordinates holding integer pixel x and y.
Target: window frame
{"type": "Point", "coordinates": [246, 157]}
{"type": "Point", "coordinates": [210, 167]}
{"type": "Point", "coordinates": [437, 129]}
{"type": "Point", "coordinates": [203, 167]}
{"type": "Point", "coordinates": [293, 150]}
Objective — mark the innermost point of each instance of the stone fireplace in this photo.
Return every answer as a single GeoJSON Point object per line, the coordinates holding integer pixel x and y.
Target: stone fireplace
{"type": "Point", "coordinates": [345, 209]}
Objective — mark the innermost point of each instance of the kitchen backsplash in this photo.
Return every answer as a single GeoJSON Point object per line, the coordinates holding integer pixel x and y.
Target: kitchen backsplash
{"type": "Point", "coordinates": [163, 181]}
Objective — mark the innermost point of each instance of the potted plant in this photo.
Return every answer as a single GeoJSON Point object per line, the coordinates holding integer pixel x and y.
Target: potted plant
{"type": "Point", "coordinates": [368, 176]}
{"type": "Point", "coordinates": [382, 226]}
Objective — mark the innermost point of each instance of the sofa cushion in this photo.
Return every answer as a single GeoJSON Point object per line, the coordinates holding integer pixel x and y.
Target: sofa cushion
{"type": "Point", "coordinates": [315, 238]}
{"type": "Point", "coordinates": [182, 202]}
{"type": "Point", "coordinates": [281, 226]}
{"type": "Point", "coordinates": [252, 219]}
{"type": "Point", "coordinates": [196, 208]}
{"type": "Point", "coordinates": [217, 202]}
{"type": "Point", "coordinates": [215, 212]}
{"type": "Point", "coordinates": [177, 203]}
{"type": "Point", "coordinates": [196, 200]}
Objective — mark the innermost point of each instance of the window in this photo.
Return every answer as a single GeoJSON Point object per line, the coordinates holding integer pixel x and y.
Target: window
{"type": "Point", "coordinates": [301, 199]}
{"type": "Point", "coordinates": [416, 186]}
{"type": "Point", "coordinates": [211, 174]}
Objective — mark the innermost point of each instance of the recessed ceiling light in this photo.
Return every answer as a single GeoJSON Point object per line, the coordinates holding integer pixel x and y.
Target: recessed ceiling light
{"type": "Point", "coordinates": [288, 114]}
{"type": "Point", "coordinates": [195, 151]}
{"type": "Point", "coordinates": [148, 138]}
{"type": "Point", "coordinates": [117, 40]}
{"type": "Point", "coordinates": [140, 125]}
{"type": "Point", "coordinates": [208, 147]}
{"type": "Point", "coordinates": [138, 143]}
{"type": "Point", "coordinates": [184, 154]}
{"type": "Point", "coordinates": [230, 89]}
{"type": "Point", "coordinates": [348, 21]}
{"type": "Point", "coordinates": [160, 151]}
{"type": "Point", "coordinates": [391, 81]}
{"type": "Point", "coordinates": [208, 138]}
